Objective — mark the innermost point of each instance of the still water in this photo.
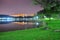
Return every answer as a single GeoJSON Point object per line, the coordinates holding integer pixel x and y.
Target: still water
{"type": "Point", "coordinates": [16, 26]}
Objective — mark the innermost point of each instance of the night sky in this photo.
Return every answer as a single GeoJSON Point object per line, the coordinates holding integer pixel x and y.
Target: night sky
{"type": "Point", "coordinates": [18, 6]}
{"type": "Point", "coordinates": [9, 7]}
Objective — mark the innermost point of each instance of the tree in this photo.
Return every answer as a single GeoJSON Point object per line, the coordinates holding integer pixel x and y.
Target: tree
{"type": "Point", "coordinates": [50, 6]}
{"type": "Point", "coordinates": [47, 3]}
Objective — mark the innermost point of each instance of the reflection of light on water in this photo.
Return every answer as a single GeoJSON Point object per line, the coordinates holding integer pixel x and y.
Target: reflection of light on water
{"type": "Point", "coordinates": [35, 18]}
{"type": "Point", "coordinates": [6, 19]}
{"type": "Point", "coordinates": [28, 23]}
{"type": "Point", "coordinates": [23, 23]}
{"type": "Point", "coordinates": [37, 23]}
{"type": "Point", "coordinates": [10, 19]}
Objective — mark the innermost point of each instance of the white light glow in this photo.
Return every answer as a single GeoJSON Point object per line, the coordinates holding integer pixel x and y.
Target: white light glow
{"type": "Point", "coordinates": [6, 19]}
{"type": "Point", "coordinates": [37, 23]}
{"type": "Point", "coordinates": [10, 19]}
{"type": "Point", "coordinates": [36, 18]}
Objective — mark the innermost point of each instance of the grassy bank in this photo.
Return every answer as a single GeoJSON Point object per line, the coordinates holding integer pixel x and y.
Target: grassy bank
{"type": "Point", "coordinates": [34, 33]}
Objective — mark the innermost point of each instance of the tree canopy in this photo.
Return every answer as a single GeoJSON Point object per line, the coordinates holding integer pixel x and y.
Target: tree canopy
{"type": "Point", "coordinates": [50, 6]}
{"type": "Point", "coordinates": [47, 4]}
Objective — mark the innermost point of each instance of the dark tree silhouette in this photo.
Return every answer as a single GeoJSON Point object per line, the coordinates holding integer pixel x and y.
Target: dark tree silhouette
{"type": "Point", "coordinates": [50, 6]}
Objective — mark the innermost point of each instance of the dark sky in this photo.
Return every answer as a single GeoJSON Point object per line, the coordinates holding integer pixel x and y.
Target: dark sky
{"type": "Point", "coordinates": [18, 6]}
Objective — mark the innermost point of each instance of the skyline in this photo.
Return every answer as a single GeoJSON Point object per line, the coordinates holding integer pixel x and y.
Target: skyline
{"type": "Point", "coordinates": [15, 7]}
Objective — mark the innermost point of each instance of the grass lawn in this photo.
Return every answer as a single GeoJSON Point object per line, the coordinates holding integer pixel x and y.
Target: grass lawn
{"type": "Point", "coordinates": [34, 33]}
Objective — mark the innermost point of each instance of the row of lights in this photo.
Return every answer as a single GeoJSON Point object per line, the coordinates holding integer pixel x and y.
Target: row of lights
{"type": "Point", "coordinates": [12, 19]}
{"type": "Point", "coordinates": [8, 19]}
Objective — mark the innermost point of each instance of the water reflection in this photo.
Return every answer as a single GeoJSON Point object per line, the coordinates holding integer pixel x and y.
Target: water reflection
{"type": "Point", "coordinates": [16, 26]}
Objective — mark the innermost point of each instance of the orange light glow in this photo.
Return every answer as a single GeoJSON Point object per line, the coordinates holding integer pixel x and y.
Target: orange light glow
{"type": "Point", "coordinates": [23, 23]}
{"type": "Point", "coordinates": [21, 14]}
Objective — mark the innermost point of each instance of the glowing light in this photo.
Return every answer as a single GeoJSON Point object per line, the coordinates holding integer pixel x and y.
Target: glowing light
{"type": "Point", "coordinates": [37, 23]}
{"type": "Point", "coordinates": [22, 14]}
{"type": "Point", "coordinates": [5, 19]}
{"type": "Point", "coordinates": [22, 23]}
{"type": "Point", "coordinates": [10, 19]}
{"type": "Point", "coordinates": [36, 18]}
{"type": "Point", "coordinates": [51, 18]}
{"type": "Point", "coordinates": [17, 19]}
{"type": "Point", "coordinates": [46, 18]}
